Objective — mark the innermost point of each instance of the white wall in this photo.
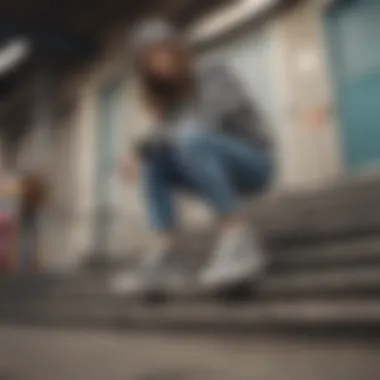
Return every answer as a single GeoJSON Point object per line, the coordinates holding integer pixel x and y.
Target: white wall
{"type": "Point", "coordinates": [310, 155]}
{"type": "Point", "coordinates": [227, 18]}
{"type": "Point", "coordinates": [78, 142]}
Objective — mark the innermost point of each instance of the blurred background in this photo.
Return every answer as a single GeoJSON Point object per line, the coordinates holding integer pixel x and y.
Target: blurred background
{"type": "Point", "coordinates": [68, 104]}
{"type": "Point", "coordinates": [68, 100]}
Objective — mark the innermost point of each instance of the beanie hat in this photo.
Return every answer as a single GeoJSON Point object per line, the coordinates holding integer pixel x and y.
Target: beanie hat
{"type": "Point", "coordinates": [152, 31]}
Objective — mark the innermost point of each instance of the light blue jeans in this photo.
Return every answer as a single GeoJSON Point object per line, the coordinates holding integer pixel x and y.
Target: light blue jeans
{"type": "Point", "coordinates": [213, 165]}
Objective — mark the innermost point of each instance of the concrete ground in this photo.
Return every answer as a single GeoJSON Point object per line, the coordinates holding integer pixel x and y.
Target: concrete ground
{"type": "Point", "coordinates": [32, 354]}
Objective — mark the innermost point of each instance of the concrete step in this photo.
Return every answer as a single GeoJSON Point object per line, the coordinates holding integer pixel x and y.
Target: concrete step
{"type": "Point", "coordinates": [318, 314]}
{"type": "Point", "coordinates": [342, 210]}
{"type": "Point", "coordinates": [312, 227]}
{"type": "Point", "coordinates": [325, 282]}
{"type": "Point", "coordinates": [334, 254]}
{"type": "Point", "coordinates": [45, 285]}
{"type": "Point", "coordinates": [363, 191]}
{"type": "Point", "coordinates": [340, 268]}
{"type": "Point", "coordinates": [324, 253]}
{"type": "Point", "coordinates": [333, 283]}
{"type": "Point", "coordinates": [299, 255]}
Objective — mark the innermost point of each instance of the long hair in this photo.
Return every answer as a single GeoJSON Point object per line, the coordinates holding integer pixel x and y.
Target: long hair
{"type": "Point", "coordinates": [157, 97]}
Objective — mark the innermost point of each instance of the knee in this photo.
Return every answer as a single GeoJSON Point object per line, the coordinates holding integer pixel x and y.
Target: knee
{"type": "Point", "coordinates": [153, 167]}
{"type": "Point", "coordinates": [155, 160]}
{"type": "Point", "coordinates": [191, 143]}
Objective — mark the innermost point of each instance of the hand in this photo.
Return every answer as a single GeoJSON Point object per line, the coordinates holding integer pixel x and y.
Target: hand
{"type": "Point", "coordinates": [130, 168]}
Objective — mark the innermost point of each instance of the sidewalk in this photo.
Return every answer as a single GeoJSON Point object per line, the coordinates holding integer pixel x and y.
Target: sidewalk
{"type": "Point", "coordinates": [31, 354]}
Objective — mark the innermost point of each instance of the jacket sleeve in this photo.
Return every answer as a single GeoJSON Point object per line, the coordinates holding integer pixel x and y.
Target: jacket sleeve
{"type": "Point", "coordinates": [233, 109]}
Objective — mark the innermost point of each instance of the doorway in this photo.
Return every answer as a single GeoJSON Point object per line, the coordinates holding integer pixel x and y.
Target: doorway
{"type": "Point", "coordinates": [353, 32]}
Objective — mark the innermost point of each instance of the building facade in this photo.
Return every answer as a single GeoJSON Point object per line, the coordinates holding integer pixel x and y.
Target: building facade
{"type": "Point", "coordinates": [313, 69]}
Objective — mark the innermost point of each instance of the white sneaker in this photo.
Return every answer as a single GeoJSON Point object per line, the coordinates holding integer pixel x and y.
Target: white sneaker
{"type": "Point", "coordinates": [128, 283]}
{"type": "Point", "coordinates": [237, 258]}
{"type": "Point", "coordinates": [153, 274]}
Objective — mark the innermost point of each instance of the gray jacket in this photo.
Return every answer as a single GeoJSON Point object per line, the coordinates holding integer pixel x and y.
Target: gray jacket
{"type": "Point", "coordinates": [226, 104]}
{"type": "Point", "coordinates": [223, 104]}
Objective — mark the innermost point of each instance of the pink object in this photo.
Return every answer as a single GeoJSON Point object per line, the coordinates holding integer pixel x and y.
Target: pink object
{"type": "Point", "coordinates": [7, 224]}
{"type": "Point", "coordinates": [6, 221]}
